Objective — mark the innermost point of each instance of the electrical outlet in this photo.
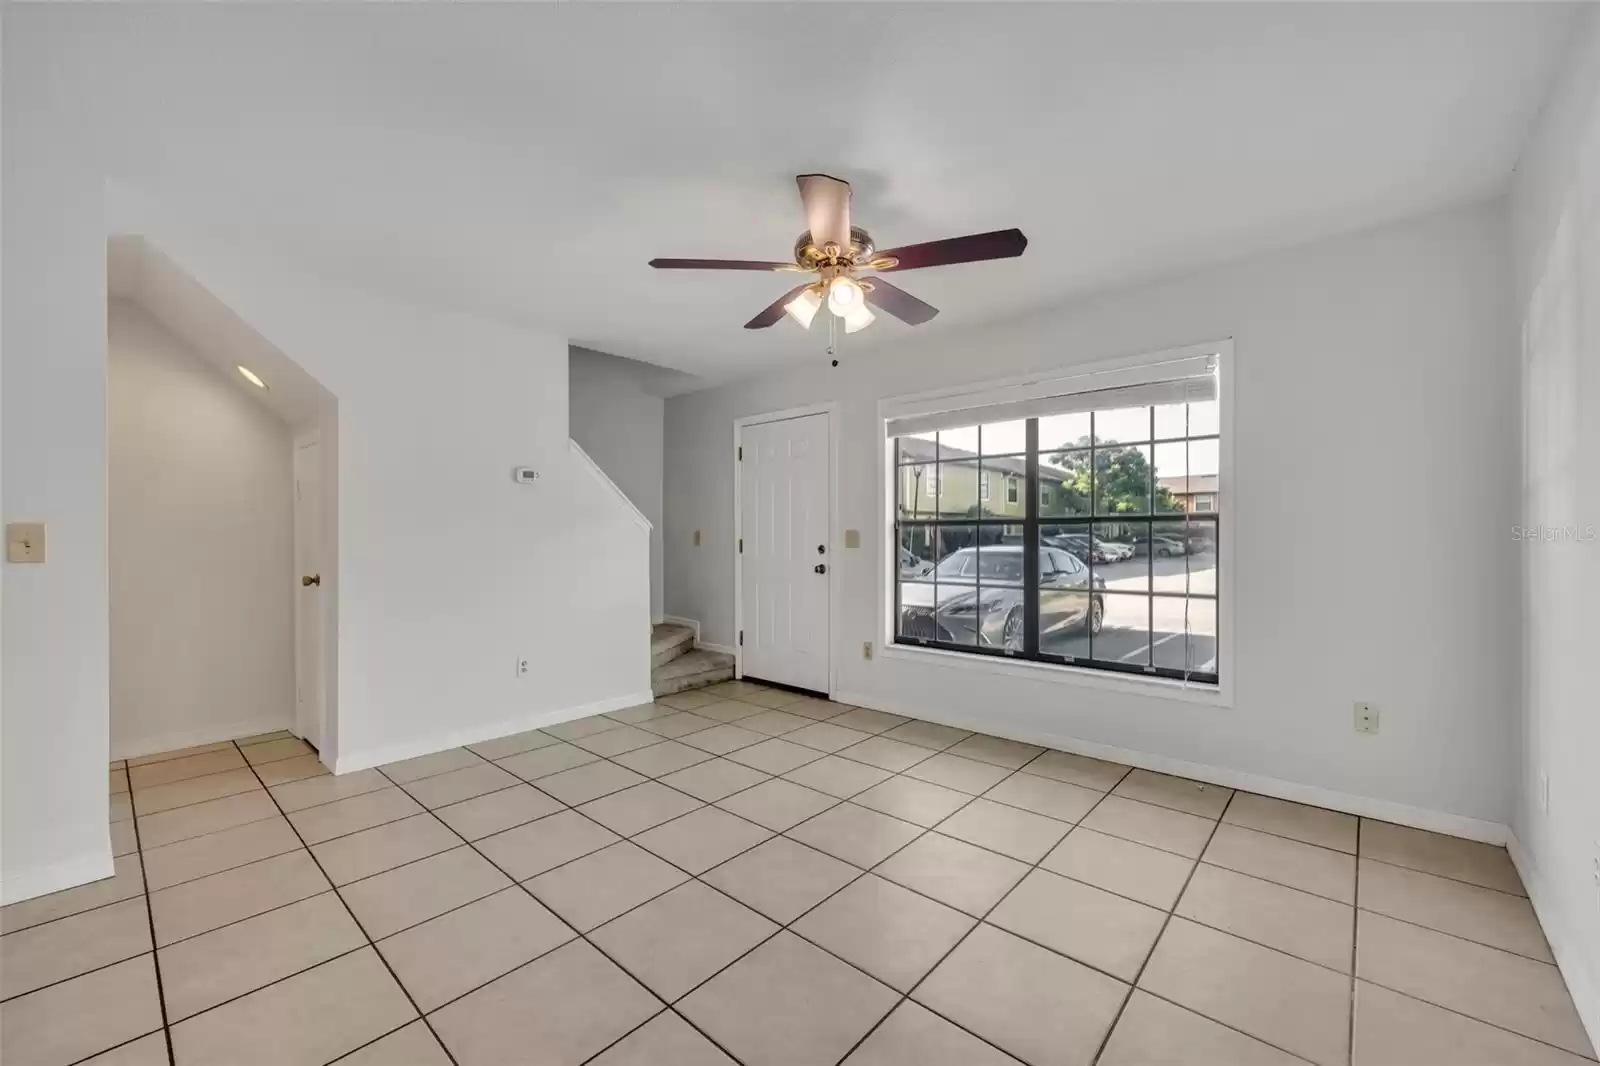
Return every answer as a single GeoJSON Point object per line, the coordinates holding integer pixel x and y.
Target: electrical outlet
{"type": "Point", "coordinates": [522, 667]}
{"type": "Point", "coordinates": [866, 649]}
{"type": "Point", "coordinates": [1366, 718]}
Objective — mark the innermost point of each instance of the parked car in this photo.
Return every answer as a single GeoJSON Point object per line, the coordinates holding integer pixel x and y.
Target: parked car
{"type": "Point", "coordinates": [912, 568]}
{"type": "Point", "coordinates": [1159, 546]}
{"type": "Point", "coordinates": [977, 598]}
{"type": "Point", "coordinates": [1113, 551]}
{"type": "Point", "coordinates": [1088, 548]}
{"type": "Point", "coordinates": [1078, 544]}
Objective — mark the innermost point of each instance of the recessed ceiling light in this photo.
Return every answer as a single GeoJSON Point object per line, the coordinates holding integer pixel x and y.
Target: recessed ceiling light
{"type": "Point", "coordinates": [250, 376]}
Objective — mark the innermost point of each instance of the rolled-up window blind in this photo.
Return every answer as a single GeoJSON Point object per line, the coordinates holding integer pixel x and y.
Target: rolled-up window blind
{"type": "Point", "coordinates": [1192, 380]}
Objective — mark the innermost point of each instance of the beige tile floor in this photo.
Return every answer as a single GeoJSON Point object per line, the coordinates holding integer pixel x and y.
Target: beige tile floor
{"type": "Point", "coordinates": [743, 875]}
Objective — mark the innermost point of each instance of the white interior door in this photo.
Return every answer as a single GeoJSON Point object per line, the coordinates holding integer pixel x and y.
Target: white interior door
{"type": "Point", "coordinates": [308, 613]}
{"type": "Point", "coordinates": [784, 504]}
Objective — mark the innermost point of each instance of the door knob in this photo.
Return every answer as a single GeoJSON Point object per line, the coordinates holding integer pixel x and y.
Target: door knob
{"type": "Point", "coordinates": [821, 568]}
{"type": "Point", "coordinates": [311, 579]}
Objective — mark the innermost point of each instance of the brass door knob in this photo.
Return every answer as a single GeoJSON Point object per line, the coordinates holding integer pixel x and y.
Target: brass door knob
{"type": "Point", "coordinates": [311, 579]}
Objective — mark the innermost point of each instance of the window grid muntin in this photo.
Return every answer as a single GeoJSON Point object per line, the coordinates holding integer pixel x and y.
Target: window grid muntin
{"type": "Point", "coordinates": [1032, 520]}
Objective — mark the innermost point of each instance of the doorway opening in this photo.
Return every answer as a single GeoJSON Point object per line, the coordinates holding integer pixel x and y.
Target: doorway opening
{"type": "Point", "coordinates": [222, 492]}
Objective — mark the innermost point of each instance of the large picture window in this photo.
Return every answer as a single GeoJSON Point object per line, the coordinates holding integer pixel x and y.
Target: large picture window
{"type": "Point", "coordinates": [1106, 559]}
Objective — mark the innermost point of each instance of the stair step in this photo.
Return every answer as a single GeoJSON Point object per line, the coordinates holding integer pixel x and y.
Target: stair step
{"type": "Point", "coordinates": [668, 641]}
{"type": "Point", "coordinates": [694, 669]}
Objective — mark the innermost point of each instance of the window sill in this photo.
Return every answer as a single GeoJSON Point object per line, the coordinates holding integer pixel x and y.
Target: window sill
{"type": "Point", "coordinates": [1026, 669]}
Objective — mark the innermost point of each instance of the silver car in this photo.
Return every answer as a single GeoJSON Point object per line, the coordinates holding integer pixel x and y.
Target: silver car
{"type": "Point", "coordinates": [974, 596]}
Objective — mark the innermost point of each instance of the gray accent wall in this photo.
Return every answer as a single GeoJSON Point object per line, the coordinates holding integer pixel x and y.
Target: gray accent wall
{"type": "Point", "coordinates": [619, 424]}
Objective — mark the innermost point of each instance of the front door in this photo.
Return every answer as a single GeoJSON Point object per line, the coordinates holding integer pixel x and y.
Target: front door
{"type": "Point", "coordinates": [785, 551]}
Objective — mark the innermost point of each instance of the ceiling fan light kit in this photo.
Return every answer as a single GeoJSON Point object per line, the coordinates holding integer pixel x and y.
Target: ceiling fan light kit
{"type": "Point", "coordinates": [836, 251]}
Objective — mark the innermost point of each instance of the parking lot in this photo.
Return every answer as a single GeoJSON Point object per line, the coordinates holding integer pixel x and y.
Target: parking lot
{"type": "Point", "coordinates": [1173, 632]}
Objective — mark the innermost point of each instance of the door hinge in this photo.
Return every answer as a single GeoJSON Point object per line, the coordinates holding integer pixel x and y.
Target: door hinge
{"type": "Point", "coordinates": [741, 638]}
{"type": "Point", "coordinates": [741, 453]}
{"type": "Point", "coordinates": [741, 545]}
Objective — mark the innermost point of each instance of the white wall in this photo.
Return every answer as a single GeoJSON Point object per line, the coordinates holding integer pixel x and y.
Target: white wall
{"type": "Point", "coordinates": [620, 426]}
{"type": "Point", "coordinates": [1374, 386]}
{"type": "Point", "coordinates": [54, 732]}
{"type": "Point", "coordinates": [1556, 238]}
{"type": "Point", "coordinates": [448, 570]}
{"type": "Point", "coordinates": [200, 499]}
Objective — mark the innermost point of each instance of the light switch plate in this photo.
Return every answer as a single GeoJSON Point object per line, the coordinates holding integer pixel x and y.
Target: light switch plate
{"type": "Point", "coordinates": [25, 542]}
{"type": "Point", "coordinates": [852, 538]}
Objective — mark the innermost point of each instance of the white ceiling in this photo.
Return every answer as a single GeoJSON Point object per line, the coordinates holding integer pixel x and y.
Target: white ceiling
{"type": "Point", "coordinates": [525, 161]}
{"type": "Point", "coordinates": [138, 272]}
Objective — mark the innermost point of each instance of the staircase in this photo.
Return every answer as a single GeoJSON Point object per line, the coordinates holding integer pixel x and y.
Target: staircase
{"type": "Point", "coordinates": [676, 665]}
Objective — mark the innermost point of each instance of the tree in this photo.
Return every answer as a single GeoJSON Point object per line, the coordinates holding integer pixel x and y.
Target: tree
{"type": "Point", "coordinates": [1122, 476]}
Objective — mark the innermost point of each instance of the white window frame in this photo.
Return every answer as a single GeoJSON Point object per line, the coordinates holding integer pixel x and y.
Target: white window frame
{"type": "Point", "coordinates": [1210, 503]}
{"type": "Point", "coordinates": [1013, 489]}
{"type": "Point", "coordinates": [1112, 372]}
{"type": "Point", "coordinates": [931, 483]}
{"type": "Point", "coordinates": [983, 486]}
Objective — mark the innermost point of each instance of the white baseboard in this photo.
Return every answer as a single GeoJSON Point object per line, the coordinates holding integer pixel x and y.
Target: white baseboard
{"type": "Point", "coordinates": [344, 764]}
{"type": "Point", "coordinates": [1583, 983]}
{"type": "Point", "coordinates": [1386, 810]}
{"type": "Point", "coordinates": [70, 874]}
{"type": "Point", "coordinates": [189, 738]}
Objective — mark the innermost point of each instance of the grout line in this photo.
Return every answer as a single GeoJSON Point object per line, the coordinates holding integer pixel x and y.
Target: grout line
{"type": "Point", "coordinates": [224, 870]}
{"type": "Point", "coordinates": [248, 765]}
{"type": "Point", "coordinates": [1165, 924]}
{"type": "Point", "coordinates": [365, 935]}
{"type": "Point", "coordinates": [246, 918]}
{"type": "Point", "coordinates": [923, 831]}
{"type": "Point", "coordinates": [81, 973]}
{"type": "Point", "coordinates": [149, 913]}
{"type": "Point", "coordinates": [1458, 936]}
{"type": "Point", "coordinates": [118, 1047]}
{"type": "Point", "coordinates": [1355, 929]}
{"type": "Point", "coordinates": [74, 914]}
{"type": "Point", "coordinates": [578, 934]}
{"type": "Point", "coordinates": [1473, 1018]}
{"type": "Point", "coordinates": [1442, 877]}
{"type": "Point", "coordinates": [981, 920]}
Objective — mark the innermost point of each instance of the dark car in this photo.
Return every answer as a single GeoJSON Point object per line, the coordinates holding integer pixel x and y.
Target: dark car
{"type": "Point", "coordinates": [1079, 545]}
{"type": "Point", "coordinates": [976, 598]}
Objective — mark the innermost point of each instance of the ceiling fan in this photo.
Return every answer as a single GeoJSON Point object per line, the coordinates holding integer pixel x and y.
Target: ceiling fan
{"type": "Point", "coordinates": [836, 251]}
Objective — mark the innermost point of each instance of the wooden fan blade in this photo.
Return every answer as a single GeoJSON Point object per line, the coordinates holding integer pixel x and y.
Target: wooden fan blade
{"type": "Point", "coordinates": [774, 311]}
{"type": "Point", "coordinates": [899, 303]}
{"type": "Point", "coordinates": [718, 264]}
{"type": "Point", "coordinates": [1000, 244]}
{"type": "Point", "coordinates": [827, 203]}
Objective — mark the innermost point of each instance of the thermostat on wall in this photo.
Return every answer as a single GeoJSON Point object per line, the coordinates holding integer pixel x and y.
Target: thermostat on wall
{"type": "Point", "coordinates": [525, 475]}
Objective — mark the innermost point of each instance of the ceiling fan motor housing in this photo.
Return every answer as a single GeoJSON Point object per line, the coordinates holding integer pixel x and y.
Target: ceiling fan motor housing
{"type": "Point", "coordinates": [809, 256]}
